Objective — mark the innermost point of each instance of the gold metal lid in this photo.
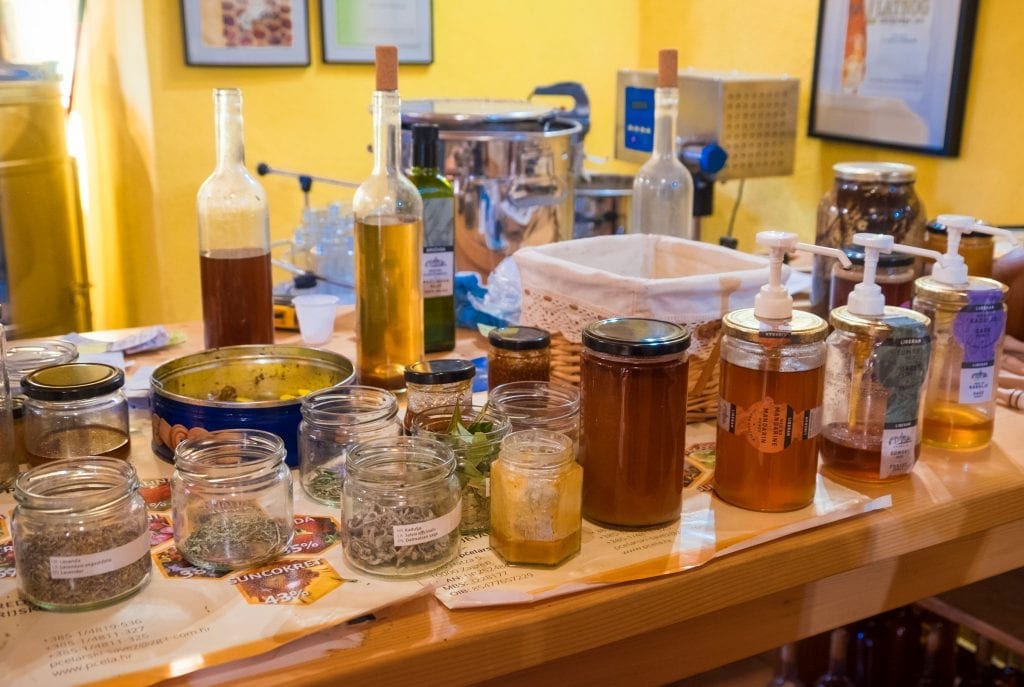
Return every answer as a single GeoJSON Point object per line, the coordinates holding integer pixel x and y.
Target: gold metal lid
{"type": "Point", "coordinates": [844, 320]}
{"type": "Point", "coordinates": [957, 294]}
{"type": "Point", "coordinates": [72, 381]}
{"type": "Point", "coordinates": [802, 327]}
{"type": "Point", "coordinates": [893, 172]}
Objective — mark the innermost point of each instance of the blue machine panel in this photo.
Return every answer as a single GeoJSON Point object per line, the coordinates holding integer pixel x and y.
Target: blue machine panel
{"type": "Point", "coordinates": [639, 119]}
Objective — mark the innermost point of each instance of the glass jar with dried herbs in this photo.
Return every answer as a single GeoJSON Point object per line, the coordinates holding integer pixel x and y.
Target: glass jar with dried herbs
{"type": "Point", "coordinates": [334, 420]}
{"type": "Point", "coordinates": [400, 506]}
{"type": "Point", "coordinates": [474, 435]}
{"type": "Point", "coordinates": [231, 499]}
{"type": "Point", "coordinates": [81, 536]}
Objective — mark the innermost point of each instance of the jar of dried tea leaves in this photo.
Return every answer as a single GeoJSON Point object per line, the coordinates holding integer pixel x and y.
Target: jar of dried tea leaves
{"type": "Point", "coordinates": [400, 506]}
{"type": "Point", "coordinates": [231, 499]}
{"type": "Point", "coordinates": [81, 536]}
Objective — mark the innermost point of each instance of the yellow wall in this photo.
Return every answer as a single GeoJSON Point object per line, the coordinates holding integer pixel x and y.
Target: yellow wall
{"type": "Point", "coordinates": [315, 118]}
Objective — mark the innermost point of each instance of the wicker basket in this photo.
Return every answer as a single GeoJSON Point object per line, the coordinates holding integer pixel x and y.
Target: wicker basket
{"type": "Point", "coordinates": [568, 285]}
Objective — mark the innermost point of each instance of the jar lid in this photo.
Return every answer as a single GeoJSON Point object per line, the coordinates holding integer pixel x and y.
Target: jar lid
{"type": "Point", "coordinates": [978, 290]}
{"type": "Point", "coordinates": [841, 318]}
{"type": "Point", "coordinates": [636, 336]}
{"type": "Point", "coordinates": [444, 371]}
{"type": "Point", "coordinates": [856, 255]}
{"type": "Point", "coordinates": [802, 327]}
{"type": "Point", "coordinates": [519, 338]}
{"type": "Point", "coordinates": [18, 406]}
{"type": "Point", "coordinates": [72, 381]}
{"type": "Point", "coordinates": [937, 228]}
{"type": "Point", "coordinates": [31, 354]}
{"type": "Point", "coordinates": [895, 172]}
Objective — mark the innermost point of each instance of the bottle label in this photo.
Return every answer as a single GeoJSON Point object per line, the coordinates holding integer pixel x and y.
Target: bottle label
{"type": "Point", "coordinates": [87, 565]}
{"type": "Point", "coordinates": [978, 328]}
{"type": "Point", "coordinates": [438, 272]}
{"type": "Point", "coordinates": [901, 363]}
{"type": "Point", "coordinates": [770, 427]}
{"type": "Point", "coordinates": [439, 223]}
{"type": "Point", "coordinates": [898, 447]}
{"type": "Point", "coordinates": [429, 530]}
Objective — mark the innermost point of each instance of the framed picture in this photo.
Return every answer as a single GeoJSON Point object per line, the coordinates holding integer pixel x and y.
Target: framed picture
{"type": "Point", "coordinates": [351, 29]}
{"type": "Point", "coordinates": [892, 74]}
{"type": "Point", "coordinates": [236, 33]}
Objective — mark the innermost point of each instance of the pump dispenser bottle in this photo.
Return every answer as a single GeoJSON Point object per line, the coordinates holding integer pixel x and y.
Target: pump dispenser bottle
{"type": "Point", "coordinates": [968, 322]}
{"type": "Point", "coordinates": [875, 367]}
{"type": "Point", "coordinates": [770, 393]}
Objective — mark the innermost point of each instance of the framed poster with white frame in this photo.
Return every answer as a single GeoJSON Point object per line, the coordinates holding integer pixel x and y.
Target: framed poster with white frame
{"type": "Point", "coordinates": [351, 28]}
{"type": "Point", "coordinates": [893, 74]}
{"type": "Point", "coordinates": [245, 33]}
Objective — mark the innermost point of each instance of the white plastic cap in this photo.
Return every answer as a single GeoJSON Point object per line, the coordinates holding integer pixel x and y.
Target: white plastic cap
{"type": "Point", "coordinates": [773, 301]}
{"type": "Point", "coordinates": [951, 268]}
{"type": "Point", "coordinates": [867, 299]}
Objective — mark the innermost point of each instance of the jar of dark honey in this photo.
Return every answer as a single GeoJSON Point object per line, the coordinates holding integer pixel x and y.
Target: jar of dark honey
{"type": "Point", "coordinates": [633, 417]}
{"type": "Point", "coordinates": [518, 354]}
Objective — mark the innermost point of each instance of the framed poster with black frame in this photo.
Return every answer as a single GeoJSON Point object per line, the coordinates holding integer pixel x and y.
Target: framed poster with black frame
{"type": "Point", "coordinates": [351, 28]}
{"type": "Point", "coordinates": [245, 33]}
{"type": "Point", "coordinates": [893, 74]}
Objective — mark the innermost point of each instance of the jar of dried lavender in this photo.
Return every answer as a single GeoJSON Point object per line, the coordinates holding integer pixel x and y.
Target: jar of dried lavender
{"type": "Point", "coordinates": [81, 536]}
{"type": "Point", "coordinates": [231, 499]}
{"type": "Point", "coordinates": [401, 506]}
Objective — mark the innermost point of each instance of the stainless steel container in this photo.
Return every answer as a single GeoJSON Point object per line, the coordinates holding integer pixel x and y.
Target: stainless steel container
{"type": "Point", "coordinates": [603, 203]}
{"type": "Point", "coordinates": [512, 164]}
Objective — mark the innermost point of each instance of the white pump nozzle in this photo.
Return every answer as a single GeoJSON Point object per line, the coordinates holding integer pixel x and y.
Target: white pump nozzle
{"type": "Point", "coordinates": [951, 268]}
{"type": "Point", "coordinates": [773, 301]}
{"type": "Point", "coordinates": [867, 299]}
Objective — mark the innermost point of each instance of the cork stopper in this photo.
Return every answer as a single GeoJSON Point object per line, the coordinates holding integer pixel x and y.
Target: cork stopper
{"type": "Point", "coordinates": [387, 67]}
{"type": "Point", "coordinates": [668, 69]}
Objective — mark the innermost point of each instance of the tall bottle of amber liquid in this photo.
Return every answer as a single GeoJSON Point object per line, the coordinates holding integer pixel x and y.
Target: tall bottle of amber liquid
{"type": "Point", "coordinates": [876, 362]}
{"type": "Point", "coordinates": [836, 675]}
{"type": "Point", "coordinates": [234, 239]}
{"type": "Point", "coordinates": [770, 393]}
{"type": "Point", "coordinates": [388, 247]}
{"type": "Point", "coordinates": [968, 322]}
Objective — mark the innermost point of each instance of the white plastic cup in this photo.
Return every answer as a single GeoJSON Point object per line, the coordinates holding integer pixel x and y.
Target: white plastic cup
{"type": "Point", "coordinates": [316, 317]}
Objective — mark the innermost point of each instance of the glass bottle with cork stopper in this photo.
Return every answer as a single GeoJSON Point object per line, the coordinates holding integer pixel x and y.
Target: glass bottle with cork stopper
{"type": "Point", "coordinates": [388, 247]}
{"type": "Point", "coordinates": [234, 239]}
{"type": "Point", "coordinates": [875, 367]}
{"type": "Point", "coordinates": [770, 393]}
{"type": "Point", "coordinates": [663, 188]}
{"type": "Point", "coordinates": [968, 317]}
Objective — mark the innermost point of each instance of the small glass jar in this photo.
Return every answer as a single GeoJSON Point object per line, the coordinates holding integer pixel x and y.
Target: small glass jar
{"type": "Point", "coordinates": [769, 410]}
{"type": "Point", "coordinates": [81, 534]}
{"type": "Point", "coordinates": [334, 420]}
{"type": "Point", "coordinates": [633, 409]}
{"type": "Point", "coordinates": [976, 249]}
{"type": "Point", "coordinates": [75, 409]}
{"type": "Point", "coordinates": [231, 499]}
{"type": "Point", "coordinates": [475, 438]}
{"type": "Point", "coordinates": [540, 405]}
{"type": "Point", "coordinates": [433, 383]}
{"type": "Point", "coordinates": [536, 499]}
{"type": "Point", "coordinates": [28, 355]}
{"type": "Point", "coordinates": [518, 354]}
{"type": "Point", "coordinates": [894, 276]}
{"type": "Point", "coordinates": [873, 197]}
{"type": "Point", "coordinates": [400, 507]}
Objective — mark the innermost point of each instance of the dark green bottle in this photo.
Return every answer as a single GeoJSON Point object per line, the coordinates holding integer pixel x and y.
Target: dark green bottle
{"type": "Point", "coordinates": [438, 240]}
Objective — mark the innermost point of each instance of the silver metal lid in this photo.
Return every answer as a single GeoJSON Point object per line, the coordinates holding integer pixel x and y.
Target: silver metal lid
{"type": "Point", "coordinates": [470, 112]}
{"type": "Point", "coordinates": [895, 172]}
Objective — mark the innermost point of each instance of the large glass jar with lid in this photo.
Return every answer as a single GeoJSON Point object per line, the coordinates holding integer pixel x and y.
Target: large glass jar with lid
{"type": "Point", "coordinates": [873, 197]}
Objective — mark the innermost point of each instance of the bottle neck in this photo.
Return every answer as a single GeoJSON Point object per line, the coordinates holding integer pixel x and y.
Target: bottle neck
{"type": "Point", "coordinates": [387, 132]}
{"type": "Point", "coordinates": [228, 123]}
{"type": "Point", "coordinates": [666, 103]}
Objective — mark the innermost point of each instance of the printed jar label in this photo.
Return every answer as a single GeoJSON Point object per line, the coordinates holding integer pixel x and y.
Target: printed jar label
{"type": "Point", "coordinates": [770, 427]}
{"type": "Point", "coordinates": [901, 363]}
{"type": "Point", "coordinates": [978, 327]}
{"type": "Point", "coordinates": [429, 530]}
{"type": "Point", "coordinates": [438, 272]}
{"type": "Point", "coordinates": [897, 450]}
{"type": "Point", "coordinates": [86, 565]}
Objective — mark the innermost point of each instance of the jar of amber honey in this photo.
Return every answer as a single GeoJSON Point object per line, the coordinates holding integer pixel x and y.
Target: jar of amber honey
{"type": "Point", "coordinates": [976, 249]}
{"type": "Point", "coordinates": [633, 418]}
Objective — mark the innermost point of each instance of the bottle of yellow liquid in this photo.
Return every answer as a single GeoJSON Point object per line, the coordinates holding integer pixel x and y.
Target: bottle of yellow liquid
{"type": "Point", "coordinates": [388, 247]}
{"type": "Point", "coordinates": [968, 322]}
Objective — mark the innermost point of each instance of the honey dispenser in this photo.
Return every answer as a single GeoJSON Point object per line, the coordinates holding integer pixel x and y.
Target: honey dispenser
{"type": "Point", "coordinates": [770, 393]}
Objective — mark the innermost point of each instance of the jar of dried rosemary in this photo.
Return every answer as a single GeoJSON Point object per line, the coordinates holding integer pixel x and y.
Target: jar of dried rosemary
{"type": "Point", "coordinates": [231, 499]}
{"type": "Point", "coordinates": [400, 506]}
{"type": "Point", "coordinates": [81, 536]}
{"type": "Point", "coordinates": [334, 420]}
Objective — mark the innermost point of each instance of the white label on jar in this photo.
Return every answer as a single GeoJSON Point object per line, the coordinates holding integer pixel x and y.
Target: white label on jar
{"type": "Point", "coordinates": [898, 445]}
{"type": "Point", "coordinates": [428, 530]}
{"type": "Point", "coordinates": [976, 384]}
{"type": "Point", "coordinates": [86, 565]}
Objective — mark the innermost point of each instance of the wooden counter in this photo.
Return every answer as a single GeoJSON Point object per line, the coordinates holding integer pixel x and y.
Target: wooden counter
{"type": "Point", "coordinates": [960, 518]}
